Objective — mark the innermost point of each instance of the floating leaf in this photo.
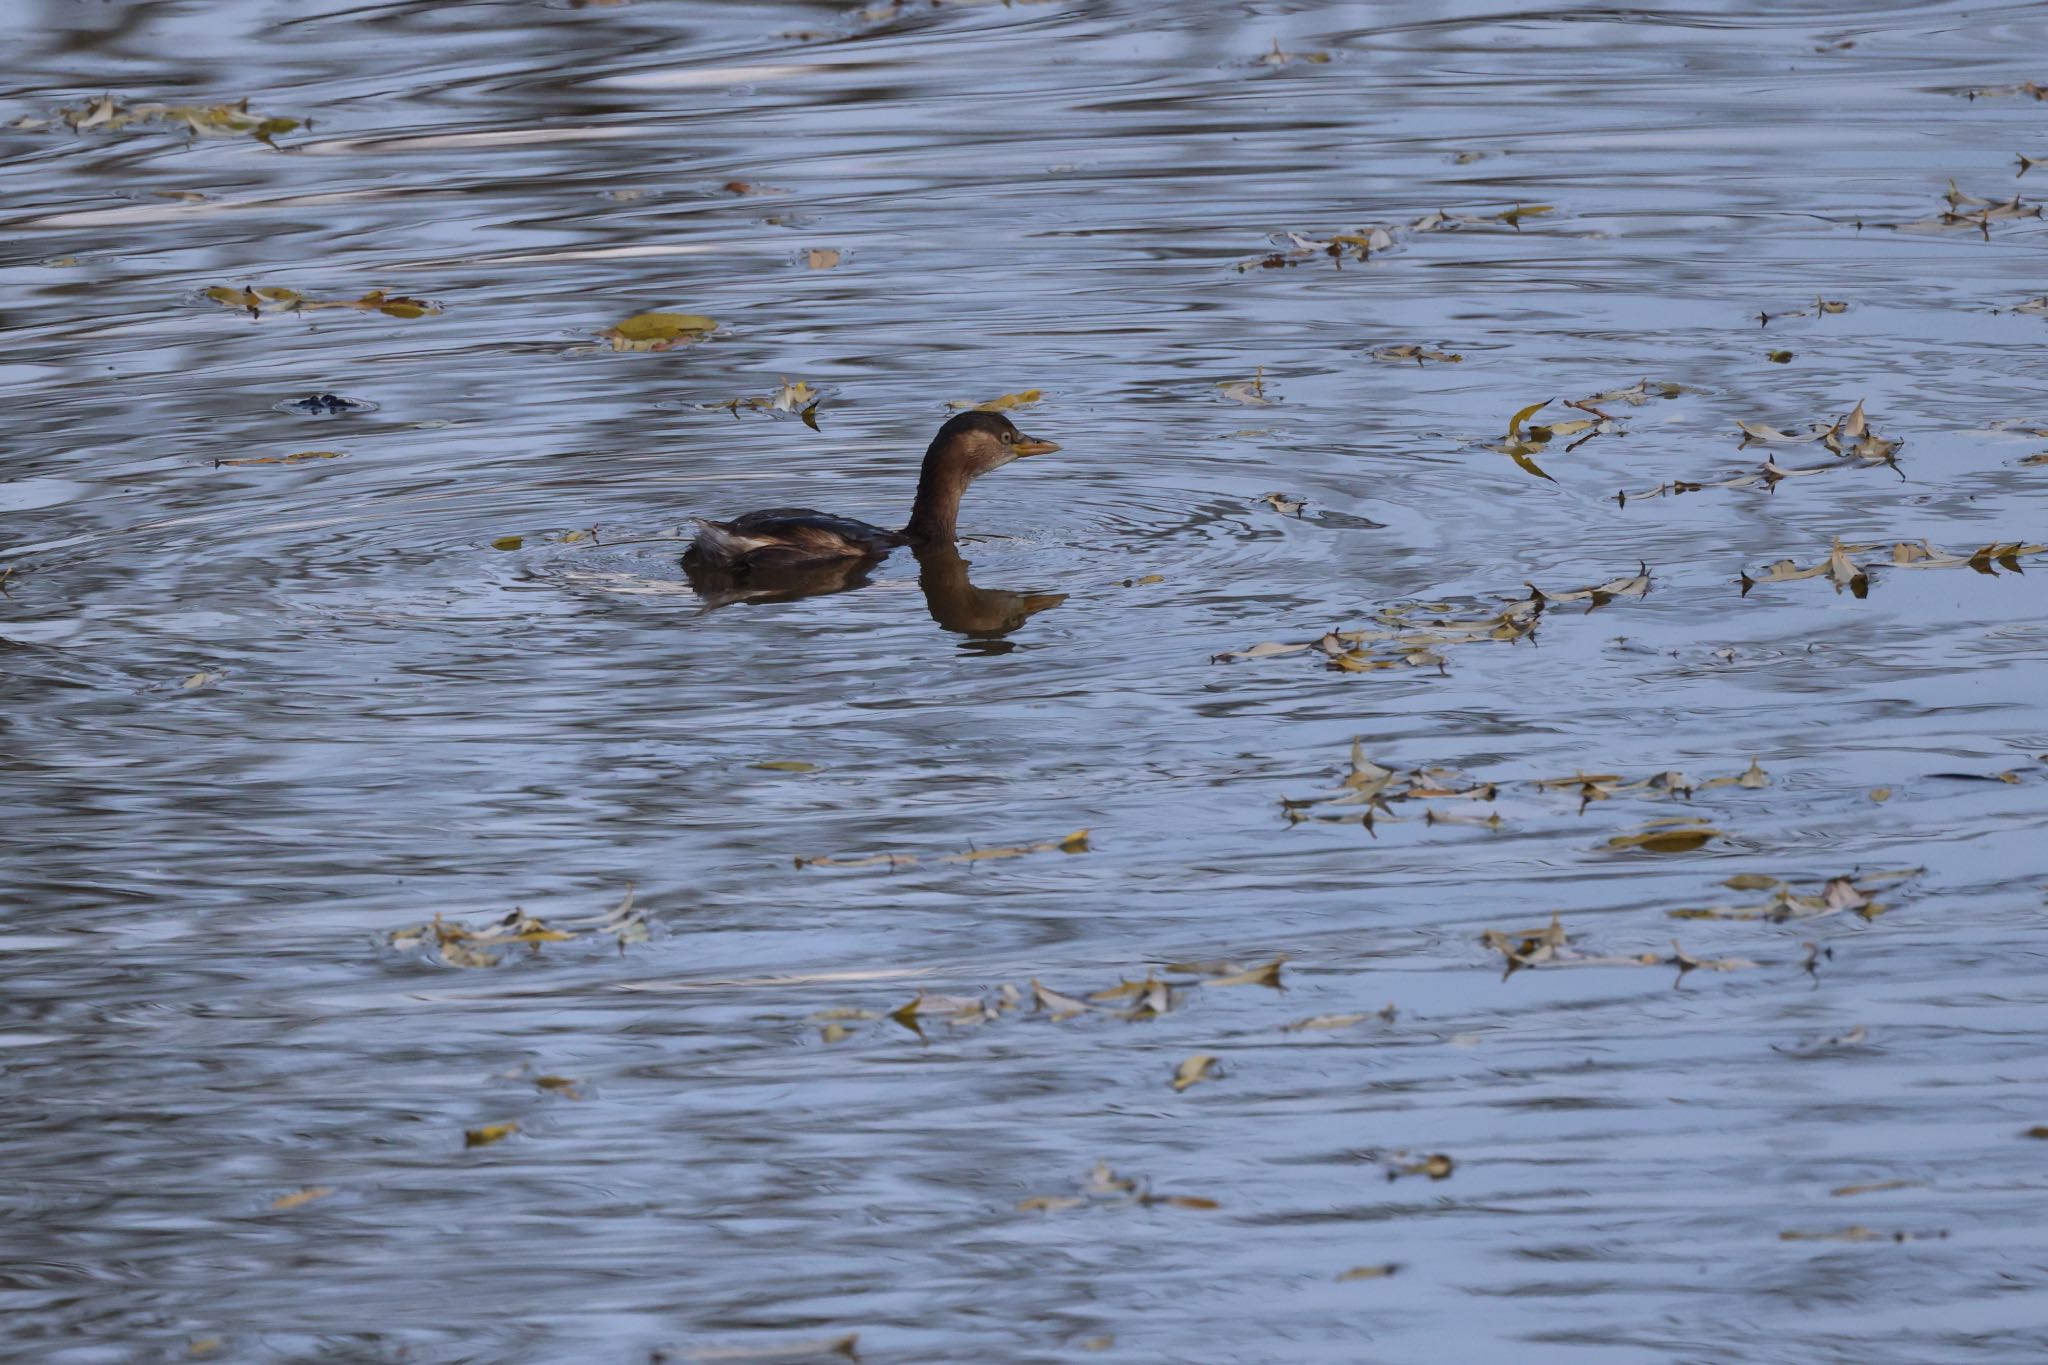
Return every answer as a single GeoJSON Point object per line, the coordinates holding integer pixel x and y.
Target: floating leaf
{"type": "Point", "coordinates": [1193, 1071]}
{"type": "Point", "coordinates": [1265, 975]}
{"type": "Point", "coordinates": [785, 765]}
{"type": "Point", "coordinates": [1876, 1187]}
{"type": "Point", "coordinates": [658, 331]}
{"type": "Point", "coordinates": [1436, 1166]}
{"type": "Point", "coordinates": [296, 457]}
{"type": "Point", "coordinates": [1671, 839]}
{"type": "Point", "coordinates": [1060, 1007]}
{"type": "Point", "coordinates": [1050, 1203]}
{"type": "Point", "coordinates": [1009, 402]}
{"type": "Point", "coordinates": [1402, 355]}
{"type": "Point", "coordinates": [1251, 392]}
{"type": "Point", "coordinates": [488, 1134]}
{"type": "Point", "coordinates": [508, 542]}
{"type": "Point", "coordinates": [1284, 505]}
{"type": "Point", "coordinates": [821, 257]}
{"type": "Point", "coordinates": [298, 1198]}
{"type": "Point", "coordinates": [1369, 1272]}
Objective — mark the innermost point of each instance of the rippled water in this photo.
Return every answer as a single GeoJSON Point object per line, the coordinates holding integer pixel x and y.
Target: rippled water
{"type": "Point", "coordinates": [260, 716]}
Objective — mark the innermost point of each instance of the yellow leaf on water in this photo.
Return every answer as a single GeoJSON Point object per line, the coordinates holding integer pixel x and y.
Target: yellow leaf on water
{"type": "Point", "coordinates": [1193, 1071]}
{"type": "Point", "coordinates": [508, 542]}
{"type": "Point", "coordinates": [658, 331]}
{"type": "Point", "coordinates": [1880, 794]}
{"type": "Point", "coordinates": [1680, 840]}
{"type": "Point", "coordinates": [299, 1197]}
{"type": "Point", "coordinates": [488, 1134]}
{"type": "Point", "coordinates": [821, 257]}
{"type": "Point", "coordinates": [1009, 402]}
{"type": "Point", "coordinates": [835, 1033]}
{"type": "Point", "coordinates": [198, 680]}
{"type": "Point", "coordinates": [1515, 422]}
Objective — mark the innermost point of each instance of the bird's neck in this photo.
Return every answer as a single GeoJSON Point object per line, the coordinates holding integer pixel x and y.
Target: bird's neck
{"type": "Point", "coordinates": [936, 513]}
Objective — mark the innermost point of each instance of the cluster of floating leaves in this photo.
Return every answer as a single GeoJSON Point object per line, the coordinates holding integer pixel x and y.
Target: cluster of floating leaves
{"type": "Point", "coordinates": [1527, 438]}
{"type": "Point", "coordinates": [257, 300]}
{"type": "Point", "coordinates": [1077, 842]}
{"type": "Point", "coordinates": [1848, 438]}
{"type": "Point", "coordinates": [1410, 635]}
{"type": "Point", "coordinates": [108, 114]}
{"type": "Point", "coordinates": [1105, 1189]}
{"type": "Point", "coordinates": [1855, 894]}
{"type": "Point", "coordinates": [1377, 789]}
{"type": "Point", "coordinates": [1127, 1000]}
{"type": "Point", "coordinates": [1842, 568]}
{"type": "Point", "coordinates": [1974, 211]}
{"type": "Point", "coordinates": [1360, 244]}
{"type": "Point", "coordinates": [795, 397]}
{"type": "Point", "coordinates": [1552, 946]}
{"type": "Point", "coordinates": [462, 945]}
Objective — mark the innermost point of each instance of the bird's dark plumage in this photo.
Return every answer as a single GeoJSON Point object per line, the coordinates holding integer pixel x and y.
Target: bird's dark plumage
{"type": "Point", "coordinates": [783, 538]}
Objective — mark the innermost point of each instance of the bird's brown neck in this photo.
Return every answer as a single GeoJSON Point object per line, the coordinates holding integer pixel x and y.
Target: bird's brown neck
{"type": "Point", "coordinates": [936, 513]}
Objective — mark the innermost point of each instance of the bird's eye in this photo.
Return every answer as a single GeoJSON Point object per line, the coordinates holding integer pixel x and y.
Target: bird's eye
{"type": "Point", "coordinates": [1009, 438]}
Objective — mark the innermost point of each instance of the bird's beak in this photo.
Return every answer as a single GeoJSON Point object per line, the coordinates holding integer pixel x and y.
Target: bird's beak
{"type": "Point", "coordinates": [1031, 445]}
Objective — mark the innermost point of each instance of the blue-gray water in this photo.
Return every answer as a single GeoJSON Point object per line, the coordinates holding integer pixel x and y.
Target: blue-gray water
{"type": "Point", "coordinates": [260, 716]}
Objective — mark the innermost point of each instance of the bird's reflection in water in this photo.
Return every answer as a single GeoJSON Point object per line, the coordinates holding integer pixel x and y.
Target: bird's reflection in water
{"type": "Point", "coordinates": [986, 616]}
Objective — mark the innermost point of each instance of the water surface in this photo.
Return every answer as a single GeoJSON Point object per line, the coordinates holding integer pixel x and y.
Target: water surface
{"type": "Point", "coordinates": [262, 715]}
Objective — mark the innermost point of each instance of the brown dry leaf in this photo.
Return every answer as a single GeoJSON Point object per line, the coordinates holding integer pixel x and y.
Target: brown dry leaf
{"type": "Point", "coordinates": [1875, 1187]}
{"type": "Point", "coordinates": [865, 860]}
{"type": "Point", "coordinates": [658, 331]}
{"type": "Point", "coordinates": [783, 1353]}
{"type": "Point", "coordinates": [1750, 881]}
{"type": "Point", "coordinates": [785, 765]}
{"type": "Point", "coordinates": [1284, 505]}
{"type": "Point", "coordinates": [568, 1087]}
{"type": "Point", "coordinates": [1778, 357]}
{"type": "Point", "coordinates": [1368, 1272]}
{"type": "Point", "coordinates": [821, 257]}
{"type": "Point", "coordinates": [1193, 1071]}
{"type": "Point", "coordinates": [488, 1134]}
{"type": "Point", "coordinates": [1178, 1201]}
{"type": "Point", "coordinates": [1436, 1166]}
{"type": "Point", "coordinates": [1403, 354]}
{"type": "Point", "coordinates": [298, 1198]}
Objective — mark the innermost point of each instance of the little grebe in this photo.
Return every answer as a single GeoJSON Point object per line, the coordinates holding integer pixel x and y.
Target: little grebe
{"type": "Point", "coordinates": [967, 447]}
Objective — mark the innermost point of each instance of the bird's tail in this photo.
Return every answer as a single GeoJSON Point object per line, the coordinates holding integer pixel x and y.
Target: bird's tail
{"type": "Point", "coordinates": [717, 544]}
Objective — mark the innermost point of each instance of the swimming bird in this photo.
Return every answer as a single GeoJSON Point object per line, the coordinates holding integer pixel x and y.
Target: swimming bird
{"type": "Point", "coordinates": [797, 538]}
